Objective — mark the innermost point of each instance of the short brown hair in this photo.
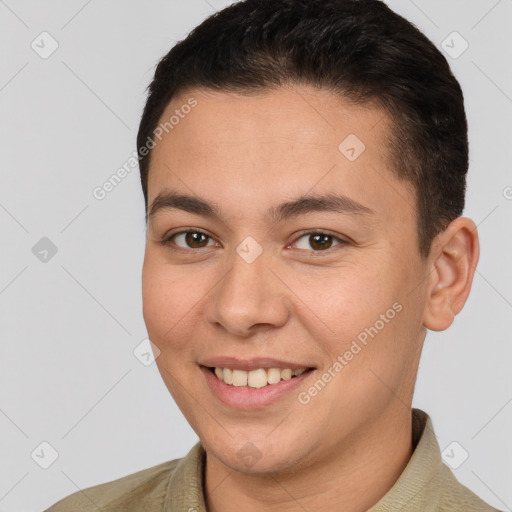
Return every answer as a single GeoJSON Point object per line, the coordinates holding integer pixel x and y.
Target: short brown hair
{"type": "Point", "coordinates": [359, 49]}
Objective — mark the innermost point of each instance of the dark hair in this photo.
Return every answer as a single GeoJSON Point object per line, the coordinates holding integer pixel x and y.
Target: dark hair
{"type": "Point", "coordinates": [359, 49]}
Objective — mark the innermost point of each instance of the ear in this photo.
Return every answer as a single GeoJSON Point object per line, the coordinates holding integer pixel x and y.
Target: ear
{"type": "Point", "coordinates": [453, 259]}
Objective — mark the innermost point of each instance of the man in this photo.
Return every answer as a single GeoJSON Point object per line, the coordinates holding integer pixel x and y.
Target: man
{"type": "Point", "coordinates": [303, 164]}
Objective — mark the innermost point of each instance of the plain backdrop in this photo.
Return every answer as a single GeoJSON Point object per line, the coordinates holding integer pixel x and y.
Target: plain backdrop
{"type": "Point", "coordinates": [70, 267]}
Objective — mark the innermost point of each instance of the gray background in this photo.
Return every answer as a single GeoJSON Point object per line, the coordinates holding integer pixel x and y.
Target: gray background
{"type": "Point", "coordinates": [70, 324]}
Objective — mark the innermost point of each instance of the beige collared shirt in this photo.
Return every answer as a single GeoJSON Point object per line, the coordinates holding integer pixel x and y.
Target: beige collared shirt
{"type": "Point", "coordinates": [426, 484]}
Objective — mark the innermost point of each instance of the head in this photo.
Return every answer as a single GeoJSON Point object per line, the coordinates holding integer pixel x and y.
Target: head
{"type": "Point", "coordinates": [303, 165]}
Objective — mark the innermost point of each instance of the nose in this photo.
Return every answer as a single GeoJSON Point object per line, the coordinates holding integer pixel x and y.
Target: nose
{"type": "Point", "coordinates": [249, 298]}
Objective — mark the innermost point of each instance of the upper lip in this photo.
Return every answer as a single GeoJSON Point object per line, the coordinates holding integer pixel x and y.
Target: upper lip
{"type": "Point", "coordinates": [237, 363]}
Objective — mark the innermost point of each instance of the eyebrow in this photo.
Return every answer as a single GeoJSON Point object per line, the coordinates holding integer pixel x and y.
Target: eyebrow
{"type": "Point", "coordinates": [309, 203]}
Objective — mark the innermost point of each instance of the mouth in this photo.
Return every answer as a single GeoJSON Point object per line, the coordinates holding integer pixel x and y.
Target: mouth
{"type": "Point", "coordinates": [257, 378]}
{"type": "Point", "coordinates": [255, 388]}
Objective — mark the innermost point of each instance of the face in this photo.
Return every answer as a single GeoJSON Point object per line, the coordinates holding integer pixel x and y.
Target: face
{"type": "Point", "coordinates": [246, 275]}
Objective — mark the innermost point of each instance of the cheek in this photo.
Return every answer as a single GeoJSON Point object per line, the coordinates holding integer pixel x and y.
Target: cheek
{"type": "Point", "coordinates": [357, 312]}
{"type": "Point", "coordinates": [168, 301]}
{"type": "Point", "coordinates": [345, 299]}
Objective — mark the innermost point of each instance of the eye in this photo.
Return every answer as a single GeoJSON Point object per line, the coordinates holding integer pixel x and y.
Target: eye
{"type": "Point", "coordinates": [318, 241]}
{"type": "Point", "coordinates": [193, 239]}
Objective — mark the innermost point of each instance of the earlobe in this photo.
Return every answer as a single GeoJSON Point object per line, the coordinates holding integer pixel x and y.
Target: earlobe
{"type": "Point", "coordinates": [454, 257]}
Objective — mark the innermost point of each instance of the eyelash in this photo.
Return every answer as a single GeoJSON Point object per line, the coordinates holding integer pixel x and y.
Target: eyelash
{"type": "Point", "coordinates": [168, 240]}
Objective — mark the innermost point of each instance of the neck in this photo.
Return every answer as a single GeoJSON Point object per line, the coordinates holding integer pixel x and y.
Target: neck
{"type": "Point", "coordinates": [352, 478]}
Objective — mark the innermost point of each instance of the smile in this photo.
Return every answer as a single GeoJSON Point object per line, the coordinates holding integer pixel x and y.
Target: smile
{"type": "Point", "coordinates": [258, 378]}
{"type": "Point", "coordinates": [250, 389]}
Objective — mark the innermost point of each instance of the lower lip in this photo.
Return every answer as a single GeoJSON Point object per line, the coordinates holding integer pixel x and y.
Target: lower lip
{"type": "Point", "coordinates": [242, 397]}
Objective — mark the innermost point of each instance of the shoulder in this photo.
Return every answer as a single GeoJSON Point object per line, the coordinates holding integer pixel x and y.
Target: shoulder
{"type": "Point", "coordinates": [457, 497]}
{"type": "Point", "coordinates": [427, 483]}
{"type": "Point", "coordinates": [140, 491]}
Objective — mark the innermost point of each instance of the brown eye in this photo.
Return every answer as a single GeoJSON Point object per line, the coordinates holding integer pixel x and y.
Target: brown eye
{"type": "Point", "coordinates": [195, 239]}
{"type": "Point", "coordinates": [318, 241]}
{"type": "Point", "coordinates": [190, 239]}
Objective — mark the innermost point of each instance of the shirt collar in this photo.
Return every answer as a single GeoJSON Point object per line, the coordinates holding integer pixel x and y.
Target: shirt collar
{"type": "Point", "coordinates": [185, 487]}
{"type": "Point", "coordinates": [417, 489]}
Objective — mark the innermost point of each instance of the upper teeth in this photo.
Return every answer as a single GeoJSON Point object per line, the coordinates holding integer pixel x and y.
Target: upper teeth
{"type": "Point", "coordinates": [256, 378]}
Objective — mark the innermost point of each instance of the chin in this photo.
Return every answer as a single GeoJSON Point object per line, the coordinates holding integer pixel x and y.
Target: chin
{"type": "Point", "coordinates": [255, 457]}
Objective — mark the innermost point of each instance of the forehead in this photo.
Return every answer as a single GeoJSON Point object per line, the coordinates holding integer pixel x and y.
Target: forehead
{"type": "Point", "coordinates": [289, 113]}
{"type": "Point", "coordinates": [281, 142]}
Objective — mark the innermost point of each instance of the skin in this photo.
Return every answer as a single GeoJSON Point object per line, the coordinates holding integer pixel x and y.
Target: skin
{"type": "Point", "coordinates": [296, 302]}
